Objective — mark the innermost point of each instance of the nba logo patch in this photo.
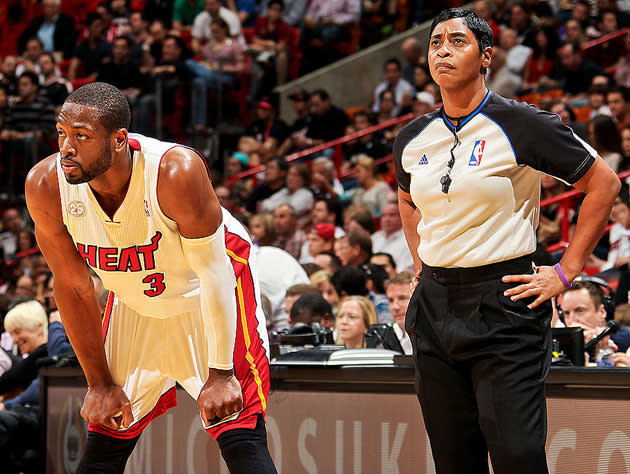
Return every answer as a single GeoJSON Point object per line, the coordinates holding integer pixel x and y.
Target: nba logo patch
{"type": "Point", "coordinates": [146, 208]}
{"type": "Point", "coordinates": [477, 153]}
{"type": "Point", "coordinates": [76, 209]}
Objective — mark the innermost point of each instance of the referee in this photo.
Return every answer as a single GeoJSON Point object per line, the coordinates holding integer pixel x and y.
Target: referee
{"type": "Point", "coordinates": [469, 194]}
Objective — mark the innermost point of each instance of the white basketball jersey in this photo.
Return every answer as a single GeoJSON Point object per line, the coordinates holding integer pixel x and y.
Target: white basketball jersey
{"type": "Point", "coordinates": [137, 253]}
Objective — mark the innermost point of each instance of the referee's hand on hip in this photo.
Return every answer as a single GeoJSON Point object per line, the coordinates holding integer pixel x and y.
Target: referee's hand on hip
{"type": "Point", "coordinates": [545, 283]}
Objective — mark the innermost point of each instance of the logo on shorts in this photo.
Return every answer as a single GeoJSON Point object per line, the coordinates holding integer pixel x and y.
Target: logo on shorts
{"type": "Point", "coordinates": [423, 160]}
{"type": "Point", "coordinates": [477, 153]}
{"type": "Point", "coordinates": [76, 209]}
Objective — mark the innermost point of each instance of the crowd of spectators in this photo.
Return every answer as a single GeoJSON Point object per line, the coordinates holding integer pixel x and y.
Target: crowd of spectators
{"type": "Point", "coordinates": [328, 233]}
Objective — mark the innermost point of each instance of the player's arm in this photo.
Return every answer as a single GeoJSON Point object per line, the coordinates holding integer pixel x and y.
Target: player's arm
{"type": "Point", "coordinates": [75, 297]}
{"type": "Point", "coordinates": [185, 194]}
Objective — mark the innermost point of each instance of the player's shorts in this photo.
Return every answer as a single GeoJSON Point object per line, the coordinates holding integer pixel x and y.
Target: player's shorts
{"type": "Point", "coordinates": [146, 355]}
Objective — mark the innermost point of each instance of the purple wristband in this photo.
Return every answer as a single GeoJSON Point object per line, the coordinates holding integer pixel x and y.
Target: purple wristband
{"type": "Point", "coordinates": [560, 273]}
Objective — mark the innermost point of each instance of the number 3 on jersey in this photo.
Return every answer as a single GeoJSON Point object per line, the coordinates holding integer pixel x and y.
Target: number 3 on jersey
{"type": "Point", "coordinates": [156, 284]}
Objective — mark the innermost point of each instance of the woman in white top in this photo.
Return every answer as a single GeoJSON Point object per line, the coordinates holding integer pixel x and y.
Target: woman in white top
{"type": "Point", "coordinates": [296, 193]}
{"type": "Point", "coordinates": [373, 191]}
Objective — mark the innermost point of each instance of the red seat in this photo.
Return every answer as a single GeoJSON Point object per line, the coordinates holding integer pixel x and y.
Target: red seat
{"type": "Point", "coordinates": [295, 53]}
{"type": "Point", "coordinates": [175, 122]}
{"type": "Point", "coordinates": [81, 81]}
{"type": "Point", "coordinates": [64, 66]}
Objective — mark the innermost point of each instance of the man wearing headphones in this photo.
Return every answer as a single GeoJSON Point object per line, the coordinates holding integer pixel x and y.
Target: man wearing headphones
{"type": "Point", "coordinates": [584, 305]}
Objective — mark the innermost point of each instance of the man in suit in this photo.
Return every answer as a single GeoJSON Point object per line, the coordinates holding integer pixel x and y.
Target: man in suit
{"type": "Point", "coordinates": [54, 29]}
{"type": "Point", "coordinates": [393, 336]}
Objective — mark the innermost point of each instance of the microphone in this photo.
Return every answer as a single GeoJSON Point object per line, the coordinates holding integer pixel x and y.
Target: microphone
{"type": "Point", "coordinates": [611, 328]}
{"type": "Point", "coordinates": [373, 330]}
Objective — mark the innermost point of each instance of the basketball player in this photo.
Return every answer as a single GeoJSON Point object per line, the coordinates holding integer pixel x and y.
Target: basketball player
{"type": "Point", "coordinates": [183, 303]}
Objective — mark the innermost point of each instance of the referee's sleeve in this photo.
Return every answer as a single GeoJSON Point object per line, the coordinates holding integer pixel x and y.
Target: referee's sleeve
{"type": "Point", "coordinates": [553, 148]}
{"type": "Point", "coordinates": [402, 176]}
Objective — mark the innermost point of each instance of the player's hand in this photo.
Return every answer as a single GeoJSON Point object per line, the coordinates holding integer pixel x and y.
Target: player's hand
{"type": "Point", "coordinates": [220, 396]}
{"type": "Point", "coordinates": [544, 284]}
{"type": "Point", "coordinates": [107, 405]}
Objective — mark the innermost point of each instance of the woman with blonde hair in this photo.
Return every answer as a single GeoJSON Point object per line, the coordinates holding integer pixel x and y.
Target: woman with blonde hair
{"type": "Point", "coordinates": [19, 386]}
{"type": "Point", "coordinates": [373, 191]}
{"type": "Point", "coordinates": [355, 315]}
{"type": "Point", "coordinates": [321, 280]}
{"type": "Point", "coordinates": [28, 325]}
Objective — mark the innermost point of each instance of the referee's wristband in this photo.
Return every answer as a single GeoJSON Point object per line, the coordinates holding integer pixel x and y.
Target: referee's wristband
{"type": "Point", "coordinates": [560, 273]}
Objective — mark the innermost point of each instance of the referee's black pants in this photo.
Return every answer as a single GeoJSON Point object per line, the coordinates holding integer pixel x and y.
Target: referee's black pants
{"type": "Point", "coordinates": [481, 362]}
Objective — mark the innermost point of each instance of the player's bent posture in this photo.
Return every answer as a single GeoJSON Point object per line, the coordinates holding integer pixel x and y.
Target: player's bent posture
{"type": "Point", "coordinates": [184, 292]}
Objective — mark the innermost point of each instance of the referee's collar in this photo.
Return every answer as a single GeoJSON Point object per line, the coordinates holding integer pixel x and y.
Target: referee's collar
{"type": "Point", "coordinates": [464, 119]}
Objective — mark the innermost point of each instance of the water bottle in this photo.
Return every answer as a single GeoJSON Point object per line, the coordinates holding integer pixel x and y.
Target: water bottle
{"type": "Point", "coordinates": [605, 357]}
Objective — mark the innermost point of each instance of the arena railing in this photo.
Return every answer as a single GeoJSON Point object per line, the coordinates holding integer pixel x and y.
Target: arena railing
{"type": "Point", "coordinates": [316, 150]}
{"type": "Point", "coordinates": [603, 39]}
{"type": "Point", "coordinates": [564, 200]}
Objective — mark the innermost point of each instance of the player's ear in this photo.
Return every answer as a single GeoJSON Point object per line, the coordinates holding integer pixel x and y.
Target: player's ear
{"type": "Point", "coordinates": [120, 139]}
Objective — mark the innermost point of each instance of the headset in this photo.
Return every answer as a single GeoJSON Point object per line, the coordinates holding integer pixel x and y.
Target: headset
{"type": "Point", "coordinates": [608, 299]}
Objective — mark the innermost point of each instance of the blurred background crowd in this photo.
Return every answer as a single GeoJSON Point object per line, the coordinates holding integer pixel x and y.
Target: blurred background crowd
{"type": "Point", "coordinates": [314, 185]}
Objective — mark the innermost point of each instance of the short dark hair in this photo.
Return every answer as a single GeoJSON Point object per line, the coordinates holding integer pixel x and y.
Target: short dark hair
{"type": "Point", "coordinates": [275, 2]}
{"type": "Point", "coordinates": [598, 89]}
{"type": "Point", "coordinates": [31, 76]}
{"type": "Point", "coordinates": [552, 103]}
{"type": "Point", "coordinates": [624, 91]}
{"type": "Point", "coordinates": [393, 61]}
{"type": "Point", "coordinates": [350, 280]}
{"type": "Point", "coordinates": [221, 23]}
{"type": "Point", "coordinates": [477, 25]}
{"type": "Point", "coordinates": [365, 220]}
{"type": "Point", "coordinates": [321, 93]}
{"type": "Point", "coordinates": [371, 118]}
{"type": "Point", "coordinates": [91, 18]}
{"type": "Point", "coordinates": [595, 291]}
{"type": "Point", "coordinates": [389, 257]}
{"type": "Point", "coordinates": [387, 91]}
{"type": "Point", "coordinates": [334, 206]}
{"type": "Point", "coordinates": [361, 239]}
{"type": "Point", "coordinates": [335, 263]}
{"type": "Point", "coordinates": [377, 275]}
{"type": "Point", "coordinates": [310, 304]}
{"type": "Point", "coordinates": [50, 55]}
{"type": "Point", "coordinates": [280, 161]}
{"type": "Point", "coordinates": [125, 38]}
{"type": "Point", "coordinates": [111, 104]}
{"type": "Point", "coordinates": [35, 38]}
